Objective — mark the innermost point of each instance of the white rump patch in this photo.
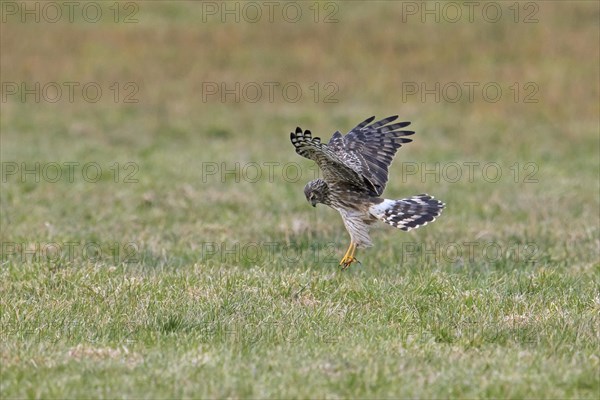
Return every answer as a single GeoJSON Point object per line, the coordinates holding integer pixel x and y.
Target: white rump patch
{"type": "Point", "coordinates": [379, 210]}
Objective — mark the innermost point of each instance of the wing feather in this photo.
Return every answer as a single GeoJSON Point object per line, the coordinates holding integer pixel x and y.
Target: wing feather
{"type": "Point", "coordinates": [334, 169]}
{"type": "Point", "coordinates": [373, 147]}
{"type": "Point", "coordinates": [364, 123]}
{"type": "Point", "coordinates": [362, 157]}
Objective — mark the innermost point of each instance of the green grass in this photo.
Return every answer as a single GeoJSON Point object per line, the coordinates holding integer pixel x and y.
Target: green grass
{"type": "Point", "coordinates": [166, 280]}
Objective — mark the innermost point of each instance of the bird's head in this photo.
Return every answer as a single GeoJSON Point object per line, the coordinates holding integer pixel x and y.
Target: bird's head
{"type": "Point", "coordinates": [317, 191]}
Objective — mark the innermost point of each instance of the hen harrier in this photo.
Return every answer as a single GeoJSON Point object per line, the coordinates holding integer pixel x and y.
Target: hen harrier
{"type": "Point", "coordinates": [355, 172]}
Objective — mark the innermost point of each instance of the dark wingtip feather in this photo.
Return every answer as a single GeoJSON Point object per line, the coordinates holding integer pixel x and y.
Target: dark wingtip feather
{"type": "Point", "coordinates": [298, 130]}
{"type": "Point", "coordinates": [384, 122]}
{"type": "Point", "coordinates": [389, 119]}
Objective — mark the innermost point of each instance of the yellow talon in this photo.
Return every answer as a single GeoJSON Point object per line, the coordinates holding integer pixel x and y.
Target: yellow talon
{"type": "Point", "coordinates": [349, 256]}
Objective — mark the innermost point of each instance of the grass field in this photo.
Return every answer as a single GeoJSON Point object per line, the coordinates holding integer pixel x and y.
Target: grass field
{"type": "Point", "coordinates": [156, 242]}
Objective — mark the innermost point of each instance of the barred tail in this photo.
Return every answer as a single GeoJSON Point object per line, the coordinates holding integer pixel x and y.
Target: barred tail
{"type": "Point", "coordinates": [410, 213]}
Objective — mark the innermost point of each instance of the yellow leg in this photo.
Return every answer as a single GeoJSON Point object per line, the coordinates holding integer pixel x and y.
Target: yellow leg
{"type": "Point", "coordinates": [352, 254]}
{"type": "Point", "coordinates": [349, 256]}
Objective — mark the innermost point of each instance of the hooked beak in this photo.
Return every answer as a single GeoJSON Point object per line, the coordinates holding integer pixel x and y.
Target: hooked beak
{"type": "Point", "coordinates": [313, 202]}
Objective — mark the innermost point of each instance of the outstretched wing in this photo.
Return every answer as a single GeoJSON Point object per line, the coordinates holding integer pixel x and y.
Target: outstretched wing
{"type": "Point", "coordinates": [362, 157]}
{"type": "Point", "coordinates": [333, 167]}
{"type": "Point", "coordinates": [369, 149]}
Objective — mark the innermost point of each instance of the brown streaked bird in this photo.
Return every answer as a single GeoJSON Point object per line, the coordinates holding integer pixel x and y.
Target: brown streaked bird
{"type": "Point", "coordinates": [355, 172]}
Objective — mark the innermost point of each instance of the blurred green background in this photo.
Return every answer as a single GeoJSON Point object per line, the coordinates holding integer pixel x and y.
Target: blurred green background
{"type": "Point", "coordinates": [358, 60]}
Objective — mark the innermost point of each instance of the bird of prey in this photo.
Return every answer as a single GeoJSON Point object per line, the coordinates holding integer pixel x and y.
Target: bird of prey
{"type": "Point", "coordinates": [355, 172]}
